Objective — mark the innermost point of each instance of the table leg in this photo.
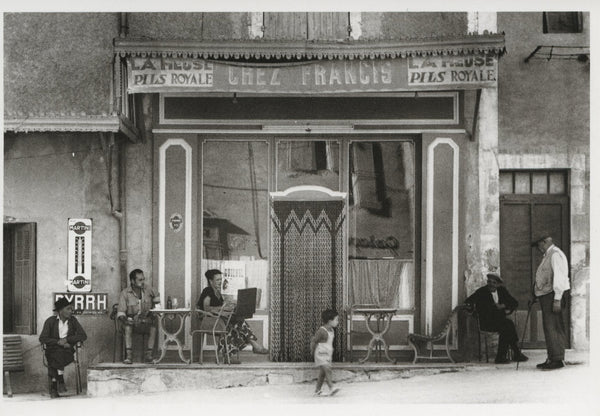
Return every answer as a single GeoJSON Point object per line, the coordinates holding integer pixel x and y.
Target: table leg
{"type": "Point", "coordinates": [171, 337]}
{"type": "Point", "coordinates": [373, 337]}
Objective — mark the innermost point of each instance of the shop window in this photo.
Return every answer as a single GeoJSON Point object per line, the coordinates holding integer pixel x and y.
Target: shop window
{"type": "Point", "coordinates": [235, 215]}
{"type": "Point", "coordinates": [563, 22]}
{"type": "Point", "coordinates": [19, 279]}
{"type": "Point", "coordinates": [308, 163]}
{"type": "Point", "coordinates": [533, 182]}
{"type": "Point", "coordinates": [382, 223]}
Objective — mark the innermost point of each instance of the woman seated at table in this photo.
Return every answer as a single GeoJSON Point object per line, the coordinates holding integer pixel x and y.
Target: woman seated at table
{"type": "Point", "coordinates": [239, 334]}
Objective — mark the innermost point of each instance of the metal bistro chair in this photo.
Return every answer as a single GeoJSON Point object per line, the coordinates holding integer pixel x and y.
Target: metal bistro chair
{"type": "Point", "coordinates": [119, 333]}
{"type": "Point", "coordinates": [487, 335]}
{"type": "Point", "coordinates": [215, 325]}
{"type": "Point", "coordinates": [76, 360]}
{"type": "Point", "coordinates": [417, 340]}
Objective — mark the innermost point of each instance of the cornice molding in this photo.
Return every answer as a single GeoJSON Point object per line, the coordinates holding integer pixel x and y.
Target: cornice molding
{"type": "Point", "coordinates": [296, 50]}
{"type": "Point", "coordinates": [108, 123]}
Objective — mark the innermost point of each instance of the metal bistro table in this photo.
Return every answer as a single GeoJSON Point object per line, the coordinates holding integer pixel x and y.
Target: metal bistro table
{"type": "Point", "coordinates": [181, 314]}
{"type": "Point", "coordinates": [377, 333]}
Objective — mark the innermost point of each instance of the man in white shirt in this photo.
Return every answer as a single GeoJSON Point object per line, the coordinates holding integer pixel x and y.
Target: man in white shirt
{"type": "Point", "coordinates": [551, 281]}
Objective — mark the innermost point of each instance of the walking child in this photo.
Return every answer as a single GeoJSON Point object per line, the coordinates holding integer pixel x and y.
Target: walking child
{"type": "Point", "coordinates": [321, 346]}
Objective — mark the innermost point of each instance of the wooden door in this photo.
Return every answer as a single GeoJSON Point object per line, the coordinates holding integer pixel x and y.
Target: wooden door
{"type": "Point", "coordinates": [521, 218]}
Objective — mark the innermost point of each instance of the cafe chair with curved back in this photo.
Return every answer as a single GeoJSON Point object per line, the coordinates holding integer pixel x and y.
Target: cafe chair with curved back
{"type": "Point", "coordinates": [76, 361]}
{"type": "Point", "coordinates": [423, 345]}
{"type": "Point", "coordinates": [214, 324]}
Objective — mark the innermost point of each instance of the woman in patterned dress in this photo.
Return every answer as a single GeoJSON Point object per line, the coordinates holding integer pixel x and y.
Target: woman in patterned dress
{"type": "Point", "coordinates": [239, 334]}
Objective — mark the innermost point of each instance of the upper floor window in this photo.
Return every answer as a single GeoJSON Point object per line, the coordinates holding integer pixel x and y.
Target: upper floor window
{"type": "Point", "coordinates": [563, 22]}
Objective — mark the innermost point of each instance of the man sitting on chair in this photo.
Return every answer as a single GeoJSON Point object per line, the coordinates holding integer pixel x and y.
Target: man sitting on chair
{"type": "Point", "coordinates": [134, 307]}
{"type": "Point", "coordinates": [493, 304]}
{"type": "Point", "coordinates": [60, 335]}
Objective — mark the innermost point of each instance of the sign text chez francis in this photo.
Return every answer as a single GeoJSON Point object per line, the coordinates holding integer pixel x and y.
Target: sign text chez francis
{"type": "Point", "coordinates": [162, 74]}
{"type": "Point", "coordinates": [86, 303]}
{"type": "Point", "coordinates": [452, 70]}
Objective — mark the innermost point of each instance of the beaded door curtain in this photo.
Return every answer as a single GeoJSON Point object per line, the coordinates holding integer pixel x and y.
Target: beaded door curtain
{"type": "Point", "coordinates": [307, 264]}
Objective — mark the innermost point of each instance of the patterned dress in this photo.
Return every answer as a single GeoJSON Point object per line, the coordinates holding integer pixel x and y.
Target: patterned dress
{"type": "Point", "coordinates": [239, 333]}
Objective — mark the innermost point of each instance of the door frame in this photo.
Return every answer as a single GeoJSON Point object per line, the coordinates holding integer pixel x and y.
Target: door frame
{"type": "Point", "coordinates": [564, 244]}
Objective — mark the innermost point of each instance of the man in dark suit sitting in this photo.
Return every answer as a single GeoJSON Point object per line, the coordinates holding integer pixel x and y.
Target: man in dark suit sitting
{"type": "Point", "coordinates": [60, 334]}
{"type": "Point", "coordinates": [493, 304]}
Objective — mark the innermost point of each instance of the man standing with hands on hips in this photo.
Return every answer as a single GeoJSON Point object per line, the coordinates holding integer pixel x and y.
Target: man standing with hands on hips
{"type": "Point", "coordinates": [551, 281]}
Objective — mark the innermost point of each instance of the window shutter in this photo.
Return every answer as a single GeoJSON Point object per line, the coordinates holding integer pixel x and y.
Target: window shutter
{"type": "Point", "coordinates": [24, 279]}
{"type": "Point", "coordinates": [285, 26]}
{"type": "Point", "coordinates": [328, 26]}
{"type": "Point", "coordinates": [311, 26]}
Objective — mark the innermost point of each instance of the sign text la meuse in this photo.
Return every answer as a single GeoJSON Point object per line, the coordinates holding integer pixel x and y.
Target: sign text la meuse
{"type": "Point", "coordinates": [450, 70]}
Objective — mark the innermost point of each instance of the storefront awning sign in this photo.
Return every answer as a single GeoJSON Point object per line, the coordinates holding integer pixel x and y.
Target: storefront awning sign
{"type": "Point", "coordinates": [170, 74]}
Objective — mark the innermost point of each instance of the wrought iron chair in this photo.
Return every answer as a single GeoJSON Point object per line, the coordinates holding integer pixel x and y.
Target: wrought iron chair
{"type": "Point", "coordinates": [487, 335]}
{"type": "Point", "coordinates": [76, 360]}
{"type": "Point", "coordinates": [215, 325]}
{"type": "Point", "coordinates": [417, 341]}
{"type": "Point", "coordinates": [119, 333]}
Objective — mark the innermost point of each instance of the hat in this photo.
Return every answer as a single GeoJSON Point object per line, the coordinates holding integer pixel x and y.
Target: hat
{"type": "Point", "coordinates": [539, 237]}
{"type": "Point", "coordinates": [61, 303]}
{"type": "Point", "coordinates": [495, 276]}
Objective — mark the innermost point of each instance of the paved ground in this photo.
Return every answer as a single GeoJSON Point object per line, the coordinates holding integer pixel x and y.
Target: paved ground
{"type": "Point", "coordinates": [572, 390]}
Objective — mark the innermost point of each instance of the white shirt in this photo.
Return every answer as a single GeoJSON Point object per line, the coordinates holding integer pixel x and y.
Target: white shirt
{"type": "Point", "coordinates": [495, 296]}
{"type": "Point", "coordinates": [63, 328]}
{"type": "Point", "coordinates": [560, 269]}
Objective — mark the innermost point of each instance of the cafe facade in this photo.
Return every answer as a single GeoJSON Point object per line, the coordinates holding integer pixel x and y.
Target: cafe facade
{"type": "Point", "coordinates": [327, 159]}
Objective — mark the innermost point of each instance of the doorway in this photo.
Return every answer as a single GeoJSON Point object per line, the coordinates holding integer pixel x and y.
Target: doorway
{"type": "Point", "coordinates": [531, 202]}
{"type": "Point", "coordinates": [307, 268]}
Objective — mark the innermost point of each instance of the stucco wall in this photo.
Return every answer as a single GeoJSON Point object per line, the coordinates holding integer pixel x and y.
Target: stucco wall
{"type": "Point", "coordinates": [544, 123]}
{"type": "Point", "coordinates": [189, 26]}
{"type": "Point", "coordinates": [397, 25]}
{"type": "Point", "coordinates": [542, 104]}
{"type": "Point", "coordinates": [48, 179]}
{"type": "Point", "coordinates": [58, 62]}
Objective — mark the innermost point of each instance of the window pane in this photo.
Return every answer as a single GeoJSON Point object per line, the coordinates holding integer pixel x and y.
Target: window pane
{"type": "Point", "coordinates": [236, 203]}
{"type": "Point", "coordinates": [506, 183]}
{"type": "Point", "coordinates": [381, 223]}
{"type": "Point", "coordinates": [308, 163]}
{"type": "Point", "coordinates": [562, 22]}
{"type": "Point", "coordinates": [539, 182]}
{"type": "Point", "coordinates": [557, 183]}
{"type": "Point", "coordinates": [522, 185]}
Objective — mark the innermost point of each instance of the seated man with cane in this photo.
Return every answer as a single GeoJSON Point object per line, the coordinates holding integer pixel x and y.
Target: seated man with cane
{"type": "Point", "coordinates": [493, 304]}
{"type": "Point", "coordinates": [60, 334]}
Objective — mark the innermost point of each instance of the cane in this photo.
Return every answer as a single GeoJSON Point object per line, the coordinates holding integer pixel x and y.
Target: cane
{"type": "Point", "coordinates": [530, 305]}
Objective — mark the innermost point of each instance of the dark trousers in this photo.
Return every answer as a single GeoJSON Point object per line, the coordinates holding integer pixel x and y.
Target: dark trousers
{"type": "Point", "coordinates": [508, 337]}
{"type": "Point", "coordinates": [553, 329]}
